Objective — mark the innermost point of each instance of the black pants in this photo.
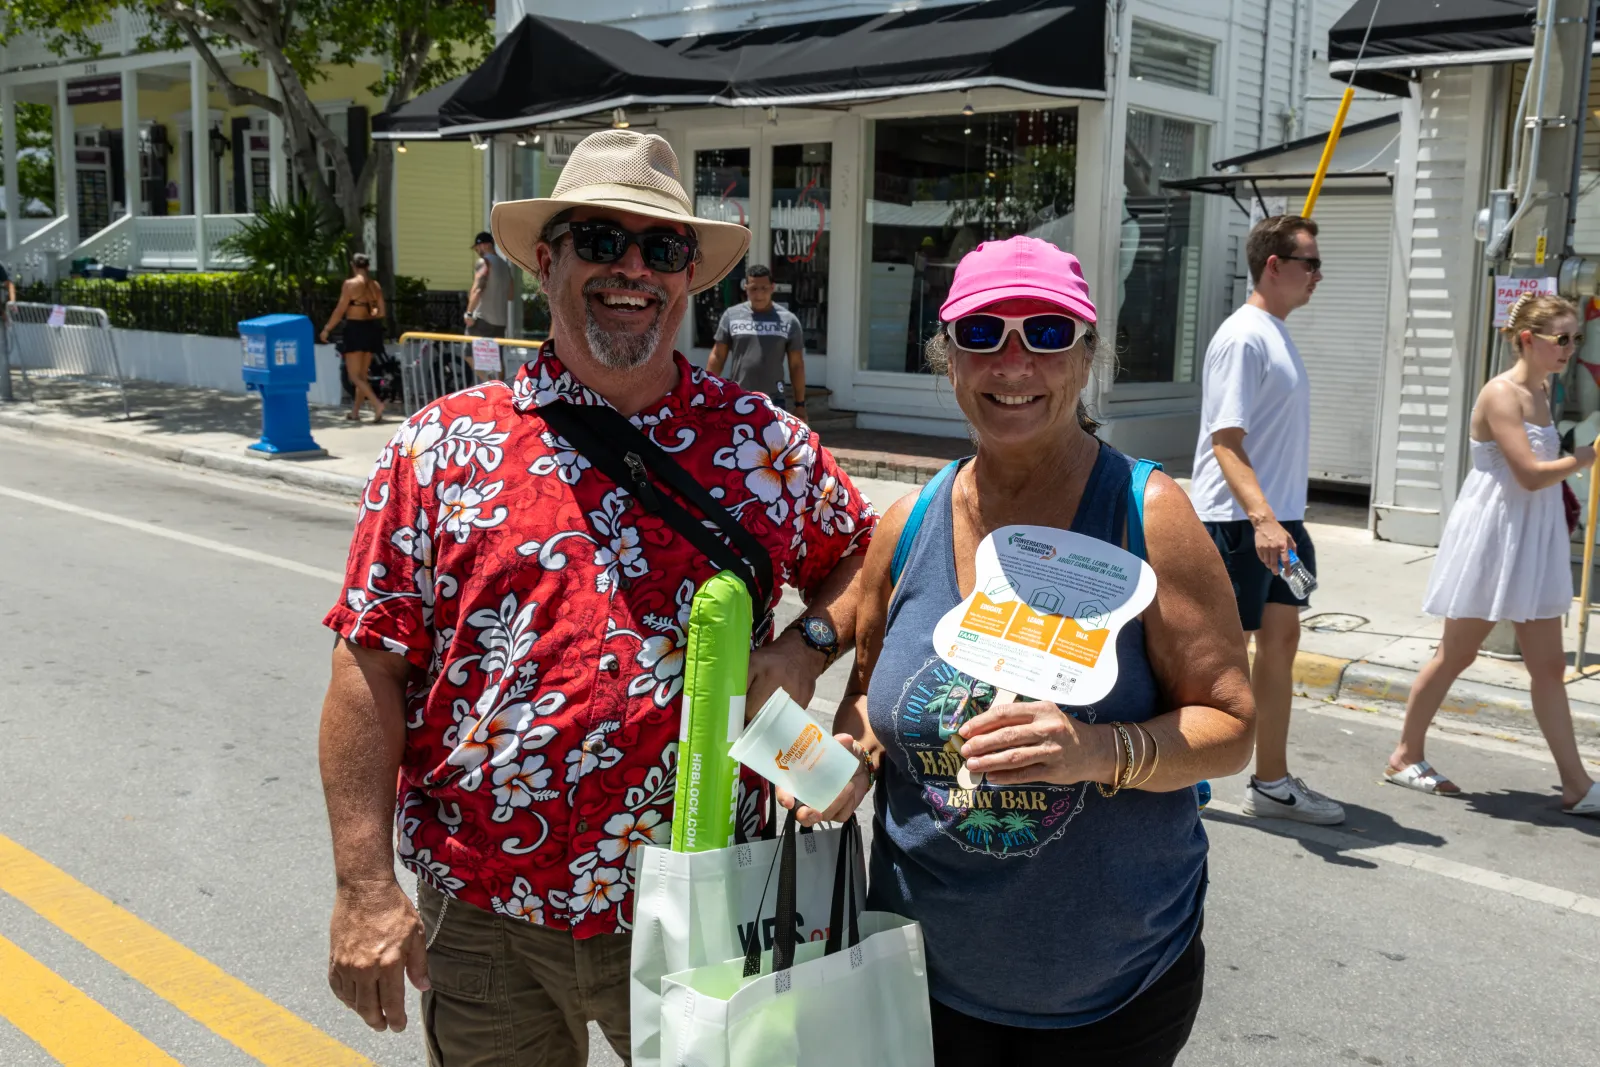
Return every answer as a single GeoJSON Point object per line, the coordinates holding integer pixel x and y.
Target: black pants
{"type": "Point", "coordinates": [1148, 1031]}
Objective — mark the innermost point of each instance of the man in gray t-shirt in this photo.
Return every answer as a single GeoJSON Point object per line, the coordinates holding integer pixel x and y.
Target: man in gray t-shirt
{"type": "Point", "coordinates": [761, 337]}
{"type": "Point", "coordinates": [492, 290]}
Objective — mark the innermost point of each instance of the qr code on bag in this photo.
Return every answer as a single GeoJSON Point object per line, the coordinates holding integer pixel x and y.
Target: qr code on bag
{"type": "Point", "coordinates": [781, 982]}
{"type": "Point", "coordinates": [857, 958]}
{"type": "Point", "coordinates": [742, 855]}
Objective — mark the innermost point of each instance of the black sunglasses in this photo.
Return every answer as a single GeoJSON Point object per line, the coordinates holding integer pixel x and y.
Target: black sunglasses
{"type": "Point", "coordinates": [1040, 333]}
{"type": "Point", "coordinates": [1313, 263]}
{"type": "Point", "coordinates": [606, 242]}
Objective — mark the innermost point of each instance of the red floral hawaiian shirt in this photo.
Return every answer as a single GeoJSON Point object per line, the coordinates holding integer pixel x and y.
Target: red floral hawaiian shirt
{"type": "Point", "coordinates": [549, 615]}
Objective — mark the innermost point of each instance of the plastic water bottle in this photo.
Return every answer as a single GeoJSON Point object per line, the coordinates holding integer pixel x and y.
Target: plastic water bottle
{"type": "Point", "coordinates": [1202, 793]}
{"type": "Point", "coordinates": [1301, 581]}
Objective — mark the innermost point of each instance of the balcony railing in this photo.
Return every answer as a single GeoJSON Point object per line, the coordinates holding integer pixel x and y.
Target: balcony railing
{"type": "Point", "coordinates": [116, 36]}
{"type": "Point", "coordinates": [168, 243]}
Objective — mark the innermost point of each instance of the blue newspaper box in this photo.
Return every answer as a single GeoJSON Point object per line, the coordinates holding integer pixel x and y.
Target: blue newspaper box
{"type": "Point", "coordinates": [279, 364]}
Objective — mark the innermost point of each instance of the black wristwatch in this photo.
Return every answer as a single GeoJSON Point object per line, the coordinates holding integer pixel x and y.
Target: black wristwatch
{"type": "Point", "coordinates": [817, 633]}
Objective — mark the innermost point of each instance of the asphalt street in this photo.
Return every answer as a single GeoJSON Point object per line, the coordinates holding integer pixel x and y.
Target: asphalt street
{"type": "Point", "coordinates": [165, 873]}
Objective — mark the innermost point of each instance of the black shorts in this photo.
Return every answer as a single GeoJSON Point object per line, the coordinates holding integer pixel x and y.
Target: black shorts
{"type": "Point", "coordinates": [362, 335]}
{"type": "Point", "coordinates": [1254, 587]}
{"type": "Point", "coordinates": [1148, 1031]}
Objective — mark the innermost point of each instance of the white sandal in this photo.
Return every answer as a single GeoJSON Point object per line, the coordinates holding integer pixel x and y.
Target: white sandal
{"type": "Point", "coordinates": [1424, 779]}
{"type": "Point", "coordinates": [1589, 805]}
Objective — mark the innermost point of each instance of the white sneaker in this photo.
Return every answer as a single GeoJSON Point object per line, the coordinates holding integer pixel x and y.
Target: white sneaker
{"type": "Point", "coordinates": [1292, 800]}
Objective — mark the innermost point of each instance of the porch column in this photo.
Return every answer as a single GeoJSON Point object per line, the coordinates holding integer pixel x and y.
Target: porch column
{"type": "Point", "coordinates": [200, 153]}
{"type": "Point", "coordinates": [8, 116]}
{"type": "Point", "coordinates": [66, 160]}
{"type": "Point", "coordinates": [132, 189]}
{"type": "Point", "coordinates": [278, 165]}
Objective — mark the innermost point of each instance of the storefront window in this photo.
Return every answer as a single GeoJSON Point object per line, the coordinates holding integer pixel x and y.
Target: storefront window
{"type": "Point", "coordinates": [1171, 58]}
{"type": "Point", "coordinates": [939, 187]}
{"type": "Point", "coordinates": [722, 192]}
{"type": "Point", "coordinates": [802, 190]}
{"type": "Point", "coordinates": [1159, 295]}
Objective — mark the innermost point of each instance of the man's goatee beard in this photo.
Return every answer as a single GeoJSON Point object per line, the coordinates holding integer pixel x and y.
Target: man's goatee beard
{"type": "Point", "coordinates": [622, 351]}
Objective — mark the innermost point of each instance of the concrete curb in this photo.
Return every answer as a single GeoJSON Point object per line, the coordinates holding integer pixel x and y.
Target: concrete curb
{"type": "Point", "coordinates": [287, 472]}
{"type": "Point", "coordinates": [1361, 682]}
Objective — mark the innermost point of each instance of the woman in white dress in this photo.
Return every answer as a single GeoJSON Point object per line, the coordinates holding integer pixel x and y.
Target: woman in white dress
{"type": "Point", "coordinates": [1506, 553]}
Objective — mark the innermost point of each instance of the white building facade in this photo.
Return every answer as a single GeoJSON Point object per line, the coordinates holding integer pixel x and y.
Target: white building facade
{"type": "Point", "coordinates": [907, 185]}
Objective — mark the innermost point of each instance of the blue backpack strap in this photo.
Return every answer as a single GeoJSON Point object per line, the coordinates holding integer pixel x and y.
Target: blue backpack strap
{"type": "Point", "coordinates": [1136, 486]}
{"type": "Point", "coordinates": [908, 532]}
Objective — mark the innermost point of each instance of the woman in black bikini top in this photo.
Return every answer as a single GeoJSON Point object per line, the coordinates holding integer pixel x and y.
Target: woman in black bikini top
{"type": "Point", "coordinates": [363, 332]}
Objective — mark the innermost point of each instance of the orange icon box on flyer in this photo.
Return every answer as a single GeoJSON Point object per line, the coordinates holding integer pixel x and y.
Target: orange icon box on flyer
{"type": "Point", "coordinates": [987, 617]}
{"type": "Point", "coordinates": [1033, 629]}
{"type": "Point", "coordinates": [1079, 646]}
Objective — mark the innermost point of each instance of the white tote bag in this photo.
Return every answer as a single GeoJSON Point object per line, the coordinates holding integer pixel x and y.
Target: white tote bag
{"type": "Point", "coordinates": [697, 908]}
{"type": "Point", "coordinates": [858, 998]}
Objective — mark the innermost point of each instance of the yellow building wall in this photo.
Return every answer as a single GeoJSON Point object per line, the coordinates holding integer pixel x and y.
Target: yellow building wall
{"type": "Point", "coordinates": [438, 189]}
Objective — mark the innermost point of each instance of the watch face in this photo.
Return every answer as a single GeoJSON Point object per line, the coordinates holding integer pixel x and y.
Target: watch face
{"type": "Point", "coordinates": [819, 633]}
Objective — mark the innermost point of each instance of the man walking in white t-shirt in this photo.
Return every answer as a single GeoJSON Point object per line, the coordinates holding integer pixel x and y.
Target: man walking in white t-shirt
{"type": "Point", "coordinates": [1251, 466]}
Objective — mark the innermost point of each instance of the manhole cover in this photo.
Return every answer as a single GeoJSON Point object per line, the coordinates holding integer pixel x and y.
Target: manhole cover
{"type": "Point", "coordinates": [1333, 622]}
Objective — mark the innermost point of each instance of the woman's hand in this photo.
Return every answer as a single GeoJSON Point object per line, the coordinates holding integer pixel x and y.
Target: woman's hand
{"type": "Point", "coordinates": [846, 803]}
{"type": "Point", "coordinates": [324, 336]}
{"type": "Point", "coordinates": [1035, 741]}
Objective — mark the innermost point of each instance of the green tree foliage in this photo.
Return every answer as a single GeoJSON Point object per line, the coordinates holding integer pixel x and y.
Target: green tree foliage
{"type": "Point", "coordinates": [421, 43]}
{"type": "Point", "coordinates": [293, 243]}
{"type": "Point", "coordinates": [35, 155]}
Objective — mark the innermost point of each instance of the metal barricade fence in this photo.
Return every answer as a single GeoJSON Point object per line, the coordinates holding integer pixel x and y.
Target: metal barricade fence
{"type": "Point", "coordinates": [438, 364]}
{"type": "Point", "coordinates": [55, 342]}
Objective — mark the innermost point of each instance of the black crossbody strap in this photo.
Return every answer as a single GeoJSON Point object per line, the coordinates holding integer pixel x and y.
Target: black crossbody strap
{"type": "Point", "coordinates": [619, 451]}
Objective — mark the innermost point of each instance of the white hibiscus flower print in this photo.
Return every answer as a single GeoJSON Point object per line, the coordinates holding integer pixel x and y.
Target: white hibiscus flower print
{"type": "Point", "coordinates": [518, 785]}
{"type": "Point", "coordinates": [593, 754]}
{"type": "Point", "coordinates": [829, 499]}
{"type": "Point", "coordinates": [416, 441]}
{"type": "Point", "coordinates": [436, 872]}
{"type": "Point", "coordinates": [627, 832]}
{"type": "Point", "coordinates": [493, 740]}
{"type": "Point", "coordinates": [662, 654]}
{"type": "Point", "coordinates": [461, 509]}
{"type": "Point", "coordinates": [622, 551]}
{"type": "Point", "coordinates": [564, 461]}
{"type": "Point", "coordinates": [523, 903]}
{"type": "Point", "coordinates": [595, 891]}
{"type": "Point", "coordinates": [777, 464]}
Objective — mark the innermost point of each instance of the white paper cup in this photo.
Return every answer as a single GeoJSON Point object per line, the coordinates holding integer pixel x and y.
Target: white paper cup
{"type": "Point", "coordinates": [790, 749]}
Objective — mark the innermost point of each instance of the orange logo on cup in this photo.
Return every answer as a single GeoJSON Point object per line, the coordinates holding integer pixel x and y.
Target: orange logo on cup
{"type": "Point", "coordinates": [804, 746]}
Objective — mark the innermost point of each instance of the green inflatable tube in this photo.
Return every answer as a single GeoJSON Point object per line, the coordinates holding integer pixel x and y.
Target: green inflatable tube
{"type": "Point", "coordinates": [715, 675]}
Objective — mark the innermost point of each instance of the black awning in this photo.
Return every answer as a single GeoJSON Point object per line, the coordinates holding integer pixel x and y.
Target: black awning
{"type": "Point", "coordinates": [417, 118]}
{"type": "Point", "coordinates": [1259, 185]}
{"type": "Point", "coordinates": [551, 70]}
{"type": "Point", "coordinates": [1047, 46]}
{"type": "Point", "coordinates": [1426, 28]}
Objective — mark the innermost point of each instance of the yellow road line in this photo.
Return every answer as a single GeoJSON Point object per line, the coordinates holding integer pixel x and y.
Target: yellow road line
{"type": "Point", "coordinates": [189, 982]}
{"type": "Point", "coordinates": [66, 1023]}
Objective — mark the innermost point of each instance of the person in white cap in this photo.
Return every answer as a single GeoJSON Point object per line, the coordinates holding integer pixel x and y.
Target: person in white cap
{"type": "Point", "coordinates": [514, 622]}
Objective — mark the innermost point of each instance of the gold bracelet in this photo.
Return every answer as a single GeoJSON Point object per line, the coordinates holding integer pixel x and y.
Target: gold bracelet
{"type": "Point", "coordinates": [1155, 761]}
{"type": "Point", "coordinates": [1122, 772]}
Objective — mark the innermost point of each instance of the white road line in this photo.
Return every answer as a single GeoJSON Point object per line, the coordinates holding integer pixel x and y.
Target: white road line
{"type": "Point", "coordinates": [1350, 845]}
{"type": "Point", "coordinates": [175, 535]}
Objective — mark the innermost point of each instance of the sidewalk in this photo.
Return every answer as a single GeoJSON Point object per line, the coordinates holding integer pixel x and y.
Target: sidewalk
{"type": "Point", "coordinates": [1363, 639]}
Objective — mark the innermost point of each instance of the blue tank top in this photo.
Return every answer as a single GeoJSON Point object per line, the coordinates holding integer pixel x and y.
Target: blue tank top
{"type": "Point", "coordinates": [1041, 906]}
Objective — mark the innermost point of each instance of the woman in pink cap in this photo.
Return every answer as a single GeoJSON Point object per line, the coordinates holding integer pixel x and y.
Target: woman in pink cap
{"type": "Point", "coordinates": [1061, 899]}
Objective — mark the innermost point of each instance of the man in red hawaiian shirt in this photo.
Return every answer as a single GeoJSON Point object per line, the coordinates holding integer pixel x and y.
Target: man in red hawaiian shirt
{"type": "Point", "coordinates": [513, 633]}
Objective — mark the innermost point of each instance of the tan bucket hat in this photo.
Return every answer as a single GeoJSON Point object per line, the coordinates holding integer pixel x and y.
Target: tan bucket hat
{"type": "Point", "coordinates": [625, 171]}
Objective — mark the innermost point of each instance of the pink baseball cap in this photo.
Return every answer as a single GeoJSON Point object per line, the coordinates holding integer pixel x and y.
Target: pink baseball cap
{"type": "Point", "coordinates": [1020, 266]}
